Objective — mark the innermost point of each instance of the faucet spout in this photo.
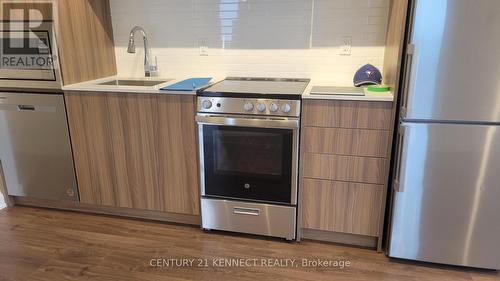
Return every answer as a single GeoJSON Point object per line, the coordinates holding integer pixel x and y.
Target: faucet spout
{"type": "Point", "coordinates": [150, 68]}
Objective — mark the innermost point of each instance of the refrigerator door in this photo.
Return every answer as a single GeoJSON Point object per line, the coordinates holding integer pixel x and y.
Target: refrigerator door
{"type": "Point", "coordinates": [446, 205]}
{"type": "Point", "coordinates": [453, 61]}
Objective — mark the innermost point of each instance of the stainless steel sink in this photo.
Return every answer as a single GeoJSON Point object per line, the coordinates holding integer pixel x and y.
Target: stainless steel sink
{"type": "Point", "coordinates": [141, 83]}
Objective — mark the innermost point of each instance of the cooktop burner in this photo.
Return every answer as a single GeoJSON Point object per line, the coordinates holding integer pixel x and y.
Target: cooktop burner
{"type": "Point", "coordinates": [248, 87]}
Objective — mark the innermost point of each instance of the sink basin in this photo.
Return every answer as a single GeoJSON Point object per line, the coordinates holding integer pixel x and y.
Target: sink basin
{"type": "Point", "coordinates": [141, 83]}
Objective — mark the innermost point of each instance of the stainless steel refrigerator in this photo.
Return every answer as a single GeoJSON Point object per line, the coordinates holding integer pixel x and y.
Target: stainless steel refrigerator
{"type": "Point", "coordinates": [446, 200]}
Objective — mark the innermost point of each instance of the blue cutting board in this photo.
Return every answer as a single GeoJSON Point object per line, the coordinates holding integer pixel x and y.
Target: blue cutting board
{"type": "Point", "coordinates": [190, 84]}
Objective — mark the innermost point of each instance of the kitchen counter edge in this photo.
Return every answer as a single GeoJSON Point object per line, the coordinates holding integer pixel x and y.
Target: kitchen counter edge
{"type": "Point", "coordinates": [93, 86]}
{"type": "Point", "coordinates": [376, 97]}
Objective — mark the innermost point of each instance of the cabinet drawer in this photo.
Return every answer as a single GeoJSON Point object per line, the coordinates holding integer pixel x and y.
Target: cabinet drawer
{"type": "Point", "coordinates": [344, 168]}
{"type": "Point", "coordinates": [357, 142]}
{"type": "Point", "coordinates": [253, 218]}
{"type": "Point", "coordinates": [341, 207]}
{"type": "Point", "coordinates": [347, 114]}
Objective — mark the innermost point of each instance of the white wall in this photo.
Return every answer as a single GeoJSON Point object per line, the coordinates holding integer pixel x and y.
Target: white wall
{"type": "Point", "coordinates": [275, 38]}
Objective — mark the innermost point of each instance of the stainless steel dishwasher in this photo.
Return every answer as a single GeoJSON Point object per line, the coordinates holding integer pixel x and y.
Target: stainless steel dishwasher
{"type": "Point", "coordinates": [35, 150]}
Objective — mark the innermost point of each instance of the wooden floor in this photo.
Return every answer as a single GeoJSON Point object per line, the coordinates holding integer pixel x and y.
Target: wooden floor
{"type": "Point", "coordinates": [40, 244]}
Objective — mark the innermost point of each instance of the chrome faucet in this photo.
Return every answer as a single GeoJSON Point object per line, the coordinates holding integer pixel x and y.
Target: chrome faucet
{"type": "Point", "coordinates": [150, 68]}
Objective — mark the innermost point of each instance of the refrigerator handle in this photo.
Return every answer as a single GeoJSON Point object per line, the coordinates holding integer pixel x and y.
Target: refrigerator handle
{"type": "Point", "coordinates": [410, 50]}
{"type": "Point", "coordinates": [398, 187]}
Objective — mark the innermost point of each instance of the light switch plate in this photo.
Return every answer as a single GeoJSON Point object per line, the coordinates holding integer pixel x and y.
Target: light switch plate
{"type": "Point", "coordinates": [345, 45]}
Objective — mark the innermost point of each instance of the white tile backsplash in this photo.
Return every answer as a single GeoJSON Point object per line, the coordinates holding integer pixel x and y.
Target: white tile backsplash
{"type": "Point", "coordinates": [274, 38]}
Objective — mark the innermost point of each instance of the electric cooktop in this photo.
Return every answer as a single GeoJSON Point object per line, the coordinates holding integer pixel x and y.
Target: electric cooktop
{"type": "Point", "coordinates": [250, 87]}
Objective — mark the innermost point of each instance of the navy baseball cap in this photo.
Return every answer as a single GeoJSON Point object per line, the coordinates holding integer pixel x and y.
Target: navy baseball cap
{"type": "Point", "coordinates": [367, 75]}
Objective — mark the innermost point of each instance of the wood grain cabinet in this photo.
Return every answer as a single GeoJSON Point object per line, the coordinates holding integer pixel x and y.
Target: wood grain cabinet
{"type": "Point", "coordinates": [345, 155]}
{"type": "Point", "coordinates": [341, 206]}
{"type": "Point", "coordinates": [177, 154]}
{"type": "Point", "coordinates": [85, 38]}
{"type": "Point", "coordinates": [344, 168]}
{"type": "Point", "coordinates": [347, 114]}
{"type": "Point", "coordinates": [135, 150]}
{"type": "Point", "coordinates": [84, 34]}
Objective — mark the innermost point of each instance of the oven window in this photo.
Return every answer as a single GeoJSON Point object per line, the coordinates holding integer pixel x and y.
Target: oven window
{"type": "Point", "coordinates": [248, 163]}
{"type": "Point", "coordinates": [258, 153]}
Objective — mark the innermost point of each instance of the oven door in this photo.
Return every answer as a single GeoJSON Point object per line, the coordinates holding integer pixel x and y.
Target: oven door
{"type": "Point", "coordinates": [249, 158]}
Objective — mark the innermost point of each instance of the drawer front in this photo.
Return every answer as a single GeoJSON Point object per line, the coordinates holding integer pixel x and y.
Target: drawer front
{"type": "Point", "coordinates": [253, 218]}
{"type": "Point", "coordinates": [347, 114]}
{"type": "Point", "coordinates": [344, 168]}
{"type": "Point", "coordinates": [341, 206]}
{"type": "Point", "coordinates": [356, 142]}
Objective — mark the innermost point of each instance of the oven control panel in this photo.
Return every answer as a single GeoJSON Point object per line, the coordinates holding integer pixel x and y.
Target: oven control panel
{"type": "Point", "coordinates": [249, 106]}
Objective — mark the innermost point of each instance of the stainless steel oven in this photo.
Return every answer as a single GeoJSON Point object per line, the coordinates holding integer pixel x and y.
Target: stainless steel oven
{"type": "Point", "coordinates": [248, 149]}
{"type": "Point", "coordinates": [249, 158]}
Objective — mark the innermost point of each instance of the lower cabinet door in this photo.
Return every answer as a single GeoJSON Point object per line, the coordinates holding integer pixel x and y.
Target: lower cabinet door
{"type": "Point", "coordinates": [341, 206]}
{"type": "Point", "coordinates": [177, 154]}
{"type": "Point", "coordinates": [114, 145]}
{"type": "Point", "coordinates": [135, 150]}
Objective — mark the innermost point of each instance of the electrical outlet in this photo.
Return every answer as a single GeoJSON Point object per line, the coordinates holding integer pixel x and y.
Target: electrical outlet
{"type": "Point", "coordinates": [345, 45]}
{"type": "Point", "coordinates": [203, 47]}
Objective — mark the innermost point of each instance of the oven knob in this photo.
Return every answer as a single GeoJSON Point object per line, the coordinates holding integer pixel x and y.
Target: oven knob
{"type": "Point", "coordinates": [206, 104]}
{"type": "Point", "coordinates": [261, 107]}
{"type": "Point", "coordinates": [286, 108]}
{"type": "Point", "coordinates": [248, 106]}
{"type": "Point", "coordinates": [273, 107]}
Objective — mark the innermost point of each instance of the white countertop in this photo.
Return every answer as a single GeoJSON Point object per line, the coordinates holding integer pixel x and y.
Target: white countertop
{"type": "Point", "coordinates": [93, 86]}
{"type": "Point", "coordinates": [368, 96]}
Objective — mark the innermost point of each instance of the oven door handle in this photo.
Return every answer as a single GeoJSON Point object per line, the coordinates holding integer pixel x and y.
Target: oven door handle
{"type": "Point", "coordinates": [246, 211]}
{"type": "Point", "coordinates": [274, 122]}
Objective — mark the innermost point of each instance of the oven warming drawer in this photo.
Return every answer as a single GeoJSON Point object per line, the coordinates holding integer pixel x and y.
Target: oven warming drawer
{"type": "Point", "coordinates": [253, 218]}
